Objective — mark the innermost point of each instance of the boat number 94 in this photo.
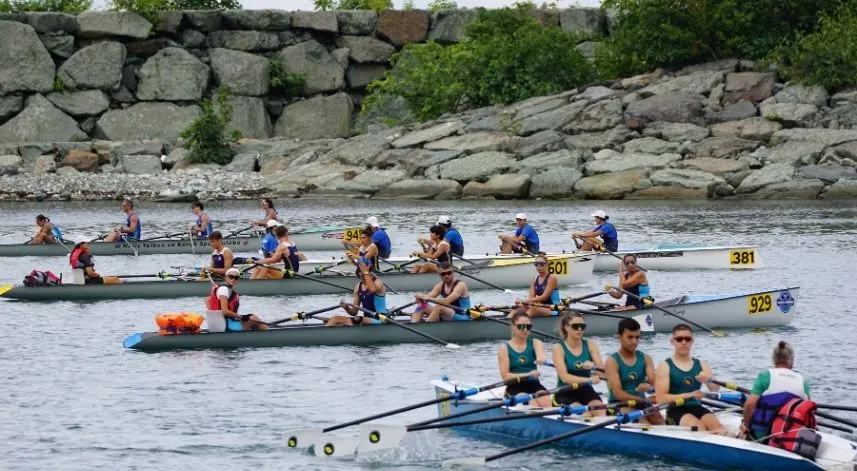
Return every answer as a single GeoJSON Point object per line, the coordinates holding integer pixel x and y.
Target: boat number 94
{"type": "Point", "coordinates": [352, 234]}
{"type": "Point", "coordinates": [742, 257]}
{"type": "Point", "coordinates": [759, 304]}
{"type": "Point", "coordinates": [558, 267]}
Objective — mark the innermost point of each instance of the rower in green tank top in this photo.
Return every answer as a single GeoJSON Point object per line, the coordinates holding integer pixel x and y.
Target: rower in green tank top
{"type": "Point", "coordinates": [681, 377]}
{"type": "Point", "coordinates": [518, 358]}
{"type": "Point", "coordinates": [630, 372]}
{"type": "Point", "coordinates": [575, 358]}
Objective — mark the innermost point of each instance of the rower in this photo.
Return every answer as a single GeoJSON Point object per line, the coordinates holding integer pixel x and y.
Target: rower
{"type": "Point", "coordinates": [681, 377]}
{"type": "Point", "coordinates": [367, 250]}
{"type": "Point", "coordinates": [450, 290]}
{"type": "Point", "coordinates": [81, 259]}
{"type": "Point", "coordinates": [221, 256]}
{"type": "Point", "coordinates": [270, 213]}
{"type": "Point", "coordinates": [369, 293]}
{"type": "Point", "coordinates": [631, 373]}
{"type": "Point", "coordinates": [379, 237]}
{"type": "Point", "coordinates": [574, 359]}
{"type": "Point", "coordinates": [48, 233]}
{"type": "Point", "coordinates": [133, 228]}
{"type": "Point", "coordinates": [518, 358]}
{"type": "Point", "coordinates": [222, 304]}
{"type": "Point", "coordinates": [633, 280]}
{"type": "Point", "coordinates": [772, 389]}
{"type": "Point", "coordinates": [604, 229]}
{"type": "Point", "coordinates": [203, 226]}
{"type": "Point", "coordinates": [286, 252]}
{"type": "Point", "coordinates": [451, 235]}
{"type": "Point", "coordinates": [543, 290]}
{"type": "Point", "coordinates": [525, 238]}
{"type": "Point", "coordinates": [439, 251]}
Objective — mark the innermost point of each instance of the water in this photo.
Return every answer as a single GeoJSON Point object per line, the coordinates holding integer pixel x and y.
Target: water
{"type": "Point", "coordinates": [74, 399]}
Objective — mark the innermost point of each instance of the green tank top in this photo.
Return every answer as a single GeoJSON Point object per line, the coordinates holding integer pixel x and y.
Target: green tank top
{"type": "Point", "coordinates": [522, 362]}
{"type": "Point", "coordinates": [631, 376]}
{"type": "Point", "coordinates": [573, 362]}
{"type": "Point", "coordinates": [685, 381]}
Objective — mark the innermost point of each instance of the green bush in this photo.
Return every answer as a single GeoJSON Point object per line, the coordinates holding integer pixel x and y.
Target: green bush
{"type": "Point", "coordinates": [284, 83]}
{"type": "Point", "coordinates": [827, 57]}
{"type": "Point", "coordinates": [437, 5]}
{"type": "Point", "coordinates": [62, 6]}
{"type": "Point", "coordinates": [376, 5]}
{"type": "Point", "coordinates": [506, 56]}
{"type": "Point", "coordinates": [207, 138]}
{"type": "Point", "coordinates": [147, 7]}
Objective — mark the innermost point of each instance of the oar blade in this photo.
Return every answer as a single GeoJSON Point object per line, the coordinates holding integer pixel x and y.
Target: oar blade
{"type": "Point", "coordinates": [453, 346]}
{"type": "Point", "coordinates": [376, 437]}
{"type": "Point", "coordinates": [301, 438]}
{"type": "Point", "coordinates": [5, 288]}
{"type": "Point", "coordinates": [335, 447]}
{"type": "Point", "coordinates": [464, 463]}
{"type": "Point", "coordinates": [647, 323]}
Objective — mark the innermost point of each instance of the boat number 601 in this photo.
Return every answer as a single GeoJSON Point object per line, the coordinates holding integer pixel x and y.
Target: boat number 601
{"type": "Point", "coordinates": [759, 303]}
{"type": "Point", "coordinates": [558, 267]}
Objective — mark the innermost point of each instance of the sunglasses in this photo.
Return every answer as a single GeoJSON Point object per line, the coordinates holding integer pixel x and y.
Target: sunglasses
{"type": "Point", "coordinates": [683, 339]}
{"type": "Point", "coordinates": [445, 273]}
{"type": "Point", "coordinates": [540, 264]}
{"type": "Point", "coordinates": [232, 277]}
{"type": "Point", "coordinates": [576, 326]}
{"type": "Point", "coordinates": [630, 262]}
{"type": "Point", "coordinates": [524, 327]}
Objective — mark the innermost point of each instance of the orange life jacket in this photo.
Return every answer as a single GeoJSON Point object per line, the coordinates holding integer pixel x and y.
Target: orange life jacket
{"type": "Point", "coordinates": [231, 302]}
{"type": "Point", "coordinates": [793, 428]}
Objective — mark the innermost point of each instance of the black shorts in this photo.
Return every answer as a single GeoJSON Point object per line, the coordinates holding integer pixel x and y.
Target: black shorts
{"type": "Point", "coordinates": [94, 281]}
{"type": "Point", "coordinates": [582, 395]}
{"type": "Point", "coordinates": [674, 414]}
{"type": "Point", "coordinates": [526, 387]}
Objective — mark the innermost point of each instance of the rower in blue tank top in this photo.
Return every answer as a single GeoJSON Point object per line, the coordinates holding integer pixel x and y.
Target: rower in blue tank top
{"type": "Point", "coordinates": [133, 228]}
{"type": "Point", "coordinates": [203, 226]}
{"type": "Point", "coordinates": [633, 280]}
{"type": "Point", "coordinates": [575, 358]}
{"type": "Point", "coordinates": [269, 242]}
{"type": "Point", "coordinates": [518, 359]}
{"type": "Point", "coordinates": [603, 236]}
{"type": "Point", "coordinates": [544, 292]}
{"type": "Point", "coordinates": [379, 237]}
{"type": "Point", "coordinates": [370, 294]}
{"type": "Point", "coordinates": [631, 373]}
{"type": "Point", "coordinates": [48, 232]}
{"type": "Point", "coordinates": [451, 235]}
{"type": "Point", "coordinates": [450, 291]}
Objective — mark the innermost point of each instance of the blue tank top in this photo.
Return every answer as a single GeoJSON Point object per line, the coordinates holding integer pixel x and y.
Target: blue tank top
{"type": "Point", "coordinates": [217, 259]}
{"type": "Point", "coordinates": [539, 289]}
{"type": "Point", "coordinates": [208, 229]}
{"type": "Point", "coordinates": [371, 301]}
{"type": "Point", "coordinates": [462, 302]}
{"type": "Point", "coordinates": [574, 363]}
{"type": "Point", "coordinates": [139, 230]}
{"type": "Point", "coordinates": [640, 290]}
{"type": "Point", "coordinates": [269, 244]}
{"type": "Point", "coordinates": [456, 243]}
{"type": "Point", "coordinates": [522, 362]}
{"type": "Point", "coordinates": [290, 257]}
{"type": "Point", "coordinates": [382, 242]}
{"type": "Point", "coordinates": [373, 261]}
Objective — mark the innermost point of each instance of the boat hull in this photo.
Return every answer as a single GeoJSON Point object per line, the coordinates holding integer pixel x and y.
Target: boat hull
{"type": "Point", "coordinates": [727, 313]}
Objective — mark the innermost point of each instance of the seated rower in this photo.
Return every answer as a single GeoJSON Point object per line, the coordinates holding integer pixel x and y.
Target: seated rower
{"type": "Point", "coordinates": [286, 252]}
{"type": "Point", "coordinates": [518, 358]}
{"type": "Point", "coordinates": [269, 244]}
{"type": "Point", "coordinates": [631, 373]}
{"type": "Point", "coordinates": [133, 228]}
{"type": "Point", "coordinates": [203, 226]}
{"type": "Point", "coordinates": [367, 249]}
{"type": "Point", "coordinates": [633, 280]}
{"type": "Point", "coordinates": [81, 259]}
{"type": "Point", "coordinates": [543, 290]}
{"type": "Point", "coordinates": [682, 376]}
{"type": "Point", "coordinates": [221, 256]}
{"type": "Point", "coordinates": [450, 290]}
{"type": "Point", "coordinates": [48, 233]}
{"type": "Point", "coordinates": [222, 304]}
{"type": "Point", "coordinates": [439, 251]}
{"type": "Point", "coordinates": [379, 237]}
{"type": "Point", "coordinates": [270, 213]}
{"type": "Point", "coordinates": [451, 235]}
{"type": "Point", "coordinates": [525, 238]}
{"type": "Point", "coordinates": [575, 358]}
{"type": "Point", "coordinates": [369, 293]}
{"type": "Point", "coordinates": [772, 389]}
{"type": "Point", "coordinates": [604, 235]}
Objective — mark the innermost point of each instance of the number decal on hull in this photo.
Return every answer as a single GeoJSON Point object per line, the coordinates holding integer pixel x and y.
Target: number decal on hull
{"type": "Point", "coordinates": [558, 267]}
{"type": "Point", "coordinates": [742, 257]}
{"type": "Point", "coordinates": [352, 234]}
{"type": "Point", "coordinates": [759, 304]}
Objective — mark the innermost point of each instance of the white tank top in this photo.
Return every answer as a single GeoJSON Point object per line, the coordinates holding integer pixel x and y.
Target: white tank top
{"type": "Point", "coordinates": [785, 380]}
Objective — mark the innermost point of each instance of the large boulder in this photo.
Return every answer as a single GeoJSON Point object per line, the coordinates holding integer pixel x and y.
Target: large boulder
{"type": "Point", "coordinates": [534, 106]}
{"type": "Point", "coordinates": [650, 145]}
{"type": "Point", "coordinates": [422, 190]}
{"type": "Point", "coordinates": [127, 24]}
{"type": "Point", "coordinates": [547, 162]}
{"type": "Point", "coordinates": [259, 20]}
{"type": "Point", "coordinates": [841, 189]}
{"type": "Point", "coordinates": [768, 175]}
{"type": "Point", "coordinates": [743, 109]}
{"type": "Point", "coordinates": [361, 75]}
{"type": "Point", "coordinates": [363, 149]}
{"type": "Point", "coordinates": [244, 40]}
{"type": "Point", "coordinates": [414, 161]}
{"type": "Point", "coordinates": [685, 178]}
{"type": "Point", "coordinates": [360, 22]}
{"type": "Point", "coordinates": [476, 167]}
{"type": "Point", "coordinates": [557, 183]}
{"type": "Point", "coordinates": [322, 21]}
{"type": "Point", "coordinates": [61, 46]}
{"type": "Point", "coordinates": [826, 137]}
{"type": "Point", "coordinates": [321, 71]}
{"type": "Point", "coordinates": [401, 27]}
{"type": "Point", "coordinates": [41, 121]}
{"type": "Point", "coordinates": [750, 86]}
{"type": "Point", "coordinates": [45, 164]}
{"type": "Point", "coordinates": [316, 118]}
{"type": "Point", "coordinates": [51, 22]}
{"type": "Point", "coordinates": [609, 186]}
{"type": "Point", "coordinates": [723, 147]}
{"type": "Point", "coordinates": [793, 189]}
{"type": "Point", "coordinates": [829, 173]}
{"type": "Point", "coordinates": [610, 139]}
{"type": "Point", "coordinates": [242, 73]}
{"type": "Point", "coordinates": [206, 21]}
{"type": "Point", "coordinates": [245, 162]}
{"type": "Point", "coordinates": [700, 83]}
{"type": "Point", "coordinates": [366, 49]}
{"type": "Point", "coordinates": [429, 134]}
{"type": "Point", "coordinates": [544, 141]}
{"type": "Point", "coordinates": [757, 128]}
{"type": "Point", "coordinates": [553, 119]}
{"type": "Point", "coordinates": [84, 103]}
{"type": "Point", "coordinates": [511, 186]}
{"type": "Point", "coordinates": [98, 66]}
{"type": "Point", "coordinates": [10, 105]}
{"type": "Point", "coordinates": [368, 181]}
{"type": "Point", "coordinates": [790, 153]}
{"type": "Point", "coordinates": [719, 167]}
{"type": "Point", "coordinates": [10, 164]}
{"type": "Point", "coordinates": [607, 160]}
{"type": "Point", "coordinates": [449, 26]}
{"type": "Point", "coordinates": [802, 94]}
{"type": "Point", "coordinates": [599, 116]}
{"type": "Point", "coordinates": [675, 106]}
{"type": "Point", "coordinates": [26, 64]}
{"type": "Point", "coordinates": [249, 117]}
{"type": "Point", "coordinates": [794, 114]}
{"type": "Point", "coordinates": [584, 21]}
{"type": "Point", "coordinates": [146, 121]}
{"type": "Point", "coordinates": [142, 164]}
{"type": "Point", "coordinates": [172, 74]}
{"type": "Point", "coordinates": [471, 143]}
{"type": "Point", "coordinates": [677, 132]}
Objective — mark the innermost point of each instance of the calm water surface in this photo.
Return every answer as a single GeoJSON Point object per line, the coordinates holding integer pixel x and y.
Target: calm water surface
{"type": "Point", "coordinates": [75, 399]}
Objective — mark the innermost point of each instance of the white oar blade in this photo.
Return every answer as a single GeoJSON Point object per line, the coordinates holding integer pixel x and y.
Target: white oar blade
{"type": "Point", "coordinates": [335, 447]}
{"type": "Point", "coordinates": [301, 438]}
{"type": "Point", "coordinates": [375, 437]}
{"type": "Point", "coordinates": [646, 321]}
{"type": "Point", "coordinates": [453, 345]}
{"type": "Point", "coordinates": [463, 463]}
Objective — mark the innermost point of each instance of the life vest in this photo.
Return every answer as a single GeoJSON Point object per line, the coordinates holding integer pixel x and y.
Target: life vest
{"type": "Point", "coordinates": [784, 386]}
{"type": "Point", "coordinates": [172, 323]}
{"type": "Point", "coordinates": [73, 258]}
{"type": "Point", "coordinates": [231, 302]}
{"type": "Point", "coordinates": [793, 428]}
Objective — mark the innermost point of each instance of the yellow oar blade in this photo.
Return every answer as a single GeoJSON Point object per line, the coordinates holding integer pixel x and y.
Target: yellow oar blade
{"type": "Point", "coordinates": [5, 288]}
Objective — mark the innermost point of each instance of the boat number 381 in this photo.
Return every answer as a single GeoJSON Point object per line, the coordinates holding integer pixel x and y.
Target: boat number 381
{"type": "Point", "coordinates": [742, 257]}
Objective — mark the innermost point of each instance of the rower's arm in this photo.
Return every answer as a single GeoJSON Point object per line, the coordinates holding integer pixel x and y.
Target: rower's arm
{"type": "Point", "coordinates": [539, 347]}
{"type": "Point", "coordinates": [595, 352]}
{"type": "Point", "coordinates": [275, 257]}
{"type": "Point", "coordinates": [749, 408]}
{"type": "Point", "coordinates": [650, 370]}
{"type": "Point", "coordinates": [376, 286]}
{"type": "Point", "coordinates": [224, 307]}
{"type": "Point", "coordinates": [614, 382]}
{"type": "Point", "coordinates": [90, 270]}
{"type": "Point", "coordinates": [438, 250]}
{"type": "Point", "coordinates": [706, 370]}
{"type": "Point", "coordinates": [638, 278]}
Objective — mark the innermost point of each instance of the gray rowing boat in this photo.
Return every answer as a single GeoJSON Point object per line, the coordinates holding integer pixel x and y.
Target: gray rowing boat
{"type": "Point", "coordinates": [724, 311]}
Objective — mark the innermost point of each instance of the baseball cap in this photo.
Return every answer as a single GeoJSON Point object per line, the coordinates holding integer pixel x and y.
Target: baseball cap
{"type": "Point", "coordinates": [599, 214]}
{"type": "Point", "coordinates": [272, 223]}
{"type": "Point", "coordinates": [81, 240]}
{"type": "Point", "coordinates": [521, 216]}
{"type": "Point", "coordinates": [233, 271]}
{"type": "Point", "coordinates": [372, 221]}
{"type": "Point", "coordinates": [443, 220]}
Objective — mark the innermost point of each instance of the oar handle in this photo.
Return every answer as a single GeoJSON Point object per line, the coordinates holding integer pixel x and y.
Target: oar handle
{"type": "Point", "coordinates": [732, 386]}
{"type": "Point", "coordinates": [303, 315]}
{"type": "Point", "coordinates": [389, 320]}
{"type": "Point", "coordinates": [667, 311]}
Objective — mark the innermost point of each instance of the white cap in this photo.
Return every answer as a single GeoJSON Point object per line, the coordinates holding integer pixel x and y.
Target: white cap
{"type": "Point", "coordinates": [521, 216]}
{"type": "Point", "coordinates": [233, 271]}
{"type": "Point", "coordinates": [599, 214]}
{"type": "Point", "coordinates": [443, 220]}
{"type": "Point", "coordinates": [372, 221]}
{"type": "Point", "coordinates": [81, 240]}
{"type": "Point", "coordinates": [273, 223]}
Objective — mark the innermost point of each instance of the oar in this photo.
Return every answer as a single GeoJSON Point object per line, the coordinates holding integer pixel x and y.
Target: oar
{"type": "Point", "coordinates": [59, 241]}
{"type": "Point", "coordinates": [294, 274]}
{"type": "Point", "coordinates": [622, 418]}
{"type": "Point", "coordinates": [190, 238]}
{"type": "Point", "coordinates": [836, 407]}
{"type": "Point", "coordinates": [162, 275]}
{"type": "Point", "coordinates": [332, 265]}
{"type": "Point", "coordinates": [384, 318]}
{"type": "Point", "coordinates": [301, 316]}
{"type": "Point", "coordinates": [399, 266]}
{"type": "Point", "coordinates": [163, 236]}
{"type": "Point", "coordinates": [647, 302]}
{"type": "Point", "coordinates": [462, 258]}
{"type": "Point", "coordinates": [505, 290]}
{"type": "Point", "coordinates": [235, 233]}
{"type": "Point", "coordinates": [477, 313]}
{"type": "Point", "coordinates": [98, 238]}
{"type": "Point", "coordinates": [133, 249]}
{"type": "Point", "coordinates": [578, 299]}
{"type": "Point", "coordinates": [302, 438]}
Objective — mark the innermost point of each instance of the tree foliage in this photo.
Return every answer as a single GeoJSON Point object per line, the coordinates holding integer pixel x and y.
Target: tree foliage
{"type": "Point", "coordinates": [437, 5]}
{"type": "Point", "coordinates": [826, 57]}
{"type": "Point", "coordinates": [62, 6]}
{"type": "Point", "coordinates": [207, 138]}
{"type": "Point", "coordinates": [376, 5]}
{"type": "Point", "coordinates": [147, 7]}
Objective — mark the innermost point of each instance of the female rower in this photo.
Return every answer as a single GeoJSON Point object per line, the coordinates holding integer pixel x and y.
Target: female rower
{"type": "Point", "coordinates": [80, 259]}
{"type": "Point", "coordinates": [575, 358]}
{"type": "Point", "coordinates": [286, 252]}
{"type": "Point", "coordinates": [270, 212]}
{"type": "Point", "coordinates": [518, 358]}
{"type": "Point", "coordinates": [367, 250]}
{"type": "Point", "coordinates": [439, 250]}
{"type": "Point", "coordinates": [633, 280]}
{"type": "Point", "coordinates": [543, 290]}
{"type": "Point", "coordinates": [48, 233]}
{"type": "Point", "coordinates": [222, 304]}
{"type": "Point", "coordinates": [369, 294]}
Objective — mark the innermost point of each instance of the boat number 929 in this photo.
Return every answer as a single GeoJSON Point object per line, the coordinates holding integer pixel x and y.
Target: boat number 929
{"type": "Point", "coordinates": [352, 234]}
{"type": "Point", "coordinates": [742, 257]}
{"type": "Point", "coordinates": [558, 267]}
{"type": "Point", "coordinates": [759, 304]}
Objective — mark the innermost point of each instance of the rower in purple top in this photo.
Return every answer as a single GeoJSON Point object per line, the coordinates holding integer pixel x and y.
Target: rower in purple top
{"type": "Point", "coordinates": [370, 294]}
{"type": "Point", "coordinates": [450, 290]}
{"type": "Point", "coordinates": [203, 226]}
{"type": "Point", "coordinates": [133, 228]}
{"type": "Point", "coordinates": [543, 290]}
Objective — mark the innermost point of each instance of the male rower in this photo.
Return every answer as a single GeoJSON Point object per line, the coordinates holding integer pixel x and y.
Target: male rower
{"type": "Point", "coordinates": [203, 226]}
{"type": "Point", "coordinates": [369, 293]}
{"type": "Point", "coordinates": [630, 372]}
{"type": "Point", "coordinates": [367, 250]}
{"type": "Point", "coordinates": [604, 234]}
{"type": "Point", "coordinates": [379, 237]}
{"type": "Point", "coordinates": [48, 232]}
{"type": "Point", "coordinates": [451, 235]}
{"type": "Point", "coordinates": [525, 238]}
{"type": "Point", "coordinates": [221, 256]}
{"type": "Point", "coordinates": [80, 258]}
{"type": "Point", "coordinates": [450, 290]}
{"type": "Point", "coordinates": [132, 229]}
{"type": "Point", "coordinates": [680, 377]}
{"type": "Point", "coordinates": [633, 280]}
{"type": "Point", "coordinates": [222, 304]}
{"type": "Point", "coordinates": [286, 252]}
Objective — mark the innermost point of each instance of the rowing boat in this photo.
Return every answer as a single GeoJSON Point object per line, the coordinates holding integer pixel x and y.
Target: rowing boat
{"type": "Point", "coordinates": [507, 273]}
{"type": "Point", "coordinates": [672, 443]}
{"type": "Point", "coordinates": [735, 311]}
{"type": "Point", "coordinates": [313, 238]}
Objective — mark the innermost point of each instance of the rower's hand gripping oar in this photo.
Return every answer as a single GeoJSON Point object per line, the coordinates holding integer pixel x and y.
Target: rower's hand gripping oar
{"type": "Point", "coordinates": [384, 318]}
{"type": "Point", "coordinates": [302, 316]}
{"type": "Point", "coordinates": [647, 302]}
